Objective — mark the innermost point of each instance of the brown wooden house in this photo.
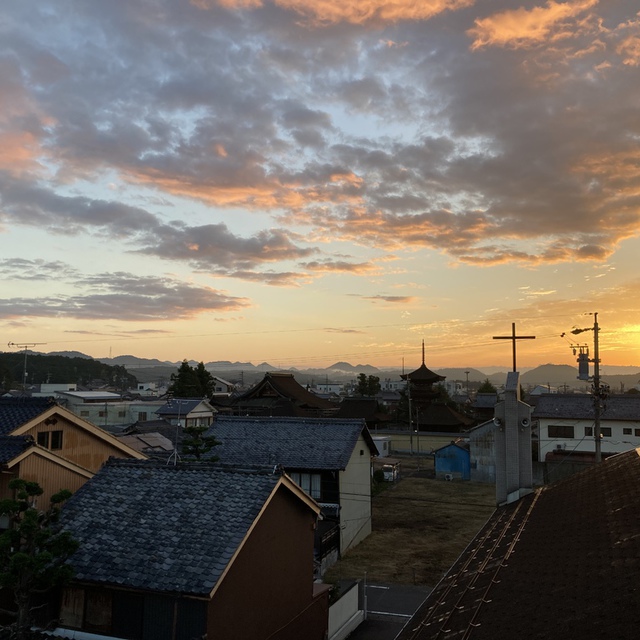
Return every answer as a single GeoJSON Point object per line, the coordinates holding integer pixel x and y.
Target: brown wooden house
{"type": "Point", "coordinates": [191, 551]}
{"type": "Point", "coordinates": [43, 442]}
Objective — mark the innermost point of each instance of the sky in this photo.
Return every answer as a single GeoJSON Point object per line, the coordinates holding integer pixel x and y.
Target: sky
{"type": "Point", "coordinates": [300, 182]}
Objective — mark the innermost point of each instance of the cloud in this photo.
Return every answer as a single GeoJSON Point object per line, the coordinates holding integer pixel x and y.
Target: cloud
{"type": "Point", "coordinates": [123, 296]}
{"type": "Point", "coordinates": [323, 12]}
{"type": "Point", "coordinates": [389, 299]}
{"type": "Point", "coordinates": [518, 27]}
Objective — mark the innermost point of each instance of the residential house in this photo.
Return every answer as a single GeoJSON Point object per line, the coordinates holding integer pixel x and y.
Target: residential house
{"type": "Point", "coordinates": [187, 412]}
{"type": "Point", "coordinates": [566, 424]}
{"type": "Point", "coordinates": [43, 442]}
{"type": "Point", "coordinates": [561, 562]}
{"type": "Point", "coordinates": [329, 458]}
{"type": "Point", "coordinates": [279, 394]}
{"type": "Point", "coordinates": [483, 405]}
{"type": "Point", "coordinates": [192, 551]}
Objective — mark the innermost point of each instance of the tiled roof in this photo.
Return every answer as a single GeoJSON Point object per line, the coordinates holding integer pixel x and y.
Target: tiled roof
{"type": "Point", "coordinates": [14, 412]}
{"type": "Point", "coordinates": [179, 406]}
{"type": "Point", "coordinates": [295, 443]}
{"type": "Point", "coordinates": [285, 385]}
{"type": "Point", "coordinates": [560, 563]}
{"type": "Point", "coordinates": [580, 407]}
{"type": "Point", "coordinates": [423, 374]}
{"type": "Point", "coordinates": [12, 446]}
{"type": "Point", "coordinates": [153, 526]}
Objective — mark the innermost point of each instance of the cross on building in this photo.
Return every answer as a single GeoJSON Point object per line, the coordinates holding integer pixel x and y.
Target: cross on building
{"type": "Point", "coordinates": [513, 337]}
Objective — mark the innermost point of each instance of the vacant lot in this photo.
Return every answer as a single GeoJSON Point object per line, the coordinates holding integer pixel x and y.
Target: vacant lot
{"type": "Point", "coordinates": [420, 527]}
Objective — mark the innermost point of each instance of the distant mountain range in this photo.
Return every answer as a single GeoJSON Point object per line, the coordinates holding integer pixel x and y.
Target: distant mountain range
{"type": "Point", "coordinates": [553, 375]}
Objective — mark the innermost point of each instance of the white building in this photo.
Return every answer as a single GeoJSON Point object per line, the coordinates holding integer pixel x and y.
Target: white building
{"type": "Point", "coordinates": [566, 423]}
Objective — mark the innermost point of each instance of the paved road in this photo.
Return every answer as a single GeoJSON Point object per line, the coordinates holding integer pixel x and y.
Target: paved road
{"type": "Point", "coordinates": [389, 608]}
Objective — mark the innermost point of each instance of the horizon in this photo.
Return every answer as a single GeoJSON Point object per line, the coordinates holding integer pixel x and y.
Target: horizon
{"type": "Point", "coordinates": [299, 183]}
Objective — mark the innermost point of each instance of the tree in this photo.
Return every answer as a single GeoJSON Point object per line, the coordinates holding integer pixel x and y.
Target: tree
{"type": "Point", "coordinates": [487, 387]}
{"type": "Point", "coordinates": [195, 443]}
{"type": "Point", "coordinates": [367, 385]}
{"type": "Point", "coordinates": [192, 382]}
{"type": "Point", "coordinates": [33, 551]}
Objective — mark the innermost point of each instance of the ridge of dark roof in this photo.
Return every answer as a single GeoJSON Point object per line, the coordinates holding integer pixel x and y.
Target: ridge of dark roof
{"type": "Point", "coordinates": [423, 374]}
{"type": "Point", "coordinates": [560, 563]}
{"type": "Point", "coordinates": [287, 386]}
{"type": "Point", "coordinates": [14, 412]}
{"type": "Point", "coordinates": [152, 526]}
{"type": "Point", "coordinates": [181, 406]}
{"type": "Point", "coordinates": [580, 406]}
{"type": "Point", "coordinates": [12, 446]}
{"type": "Point", "coordinates": [295, 443]}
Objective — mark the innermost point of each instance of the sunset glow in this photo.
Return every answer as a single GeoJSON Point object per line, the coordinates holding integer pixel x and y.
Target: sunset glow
{"type": "Point", "coordinates": [301, 182]}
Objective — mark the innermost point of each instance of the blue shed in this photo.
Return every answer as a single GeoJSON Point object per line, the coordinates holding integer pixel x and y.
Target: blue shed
{"type": "Point", "coordinates": [453, 461]}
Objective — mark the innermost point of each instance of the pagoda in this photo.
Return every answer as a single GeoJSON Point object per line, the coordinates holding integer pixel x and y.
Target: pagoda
{"type": "Point", "coordinates": [420, 384]}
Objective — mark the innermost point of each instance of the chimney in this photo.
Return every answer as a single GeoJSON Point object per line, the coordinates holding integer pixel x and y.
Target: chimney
{"type": "Point", "coordinates": [514, 473]}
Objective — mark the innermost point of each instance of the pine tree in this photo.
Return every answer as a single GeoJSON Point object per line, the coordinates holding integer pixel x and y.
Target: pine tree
{"type": "Point", "coordinates": [33, 551]}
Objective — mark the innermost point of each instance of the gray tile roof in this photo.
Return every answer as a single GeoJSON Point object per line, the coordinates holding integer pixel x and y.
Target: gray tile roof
{"type": "Point", "coordinates": [295, 443]}
{"type": "Point", "coordinates": [12, 446]}
{"type": "Point", "coordinates": [580, 407]}
{"type": "Point", "coordinates": [152, 526]}
{"type": "Point", "coordinates": [560, 563]}
{"type": "Point", "coordinates": [181, 406]}
{"type": "Point", "coordinates": [14, 412]}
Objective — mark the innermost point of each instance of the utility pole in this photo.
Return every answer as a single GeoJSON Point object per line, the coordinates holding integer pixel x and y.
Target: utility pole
{"type": "Point", "coordinates": [599, 393]}
{"type": "Point", "coordinates": [24, 368]}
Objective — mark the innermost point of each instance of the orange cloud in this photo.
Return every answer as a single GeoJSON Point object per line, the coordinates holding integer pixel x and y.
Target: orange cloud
{"type": "Point", "coordinates": [522, 27]}
{"type": "Point", "coordinates": [323, 12]}
{"type": "Point", "coordinates": [629, 49]}
{"type": "Point", "coordinates": [19, 152]}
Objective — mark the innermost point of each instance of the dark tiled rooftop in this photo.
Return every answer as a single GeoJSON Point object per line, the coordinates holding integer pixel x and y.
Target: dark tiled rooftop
{"type": "Point", "coordinates": [179, 406]}
{"type": "Point", "coordinates": [14, 412]}
{"type": "Point", "coordinates": [295, 443]}
{"type": "Point", "coordinates": [12, 446]}
{"type": "Point", "coordinates": [560, 563]}
{"type": "Point", "coordinates": [580, 407]}
{"type": "Point", "coordinates": [153, 526]}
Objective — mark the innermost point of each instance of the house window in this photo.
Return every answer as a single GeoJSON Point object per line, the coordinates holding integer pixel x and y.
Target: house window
{"type": "Point", "coordinates": [102, 414]}
{"type": "Point", "coordinates": [636, 432]}
{"type": "Point", "coordinates": [626, 431]}
{"type": "Point", "coordinates": [56, 439]}
{"type": "Point", "coordinates": [308, 482]}
{"type": "Point", "coordinates": [605, 432]}
{"type": "Point", "coordinates": [84, 414]}
{"type": "Point", "coordinates": [588, 431]}
{"type": "Point", "coordinates": [560, 431]}
{"type": "Point", "coordinates": [142, 416]}
{"type": "Point", "coordinates": [50, 439]}
{"type": "Point", "coordinates": [122, 413]}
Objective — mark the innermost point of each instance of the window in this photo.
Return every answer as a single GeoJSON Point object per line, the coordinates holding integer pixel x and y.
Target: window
{"type": "Point", "coordinates": [588, 431]}
{"type": "Point", "coordinates": [102, 414]}
{"type": "Point", "coordinates": [636, 432]}
{"type": "Point", "coordinates": [626, 431]}
{"type": "Point", "coordinates": [142, 416]}
{"type": "Point", "coordinates": [50, 439]}
{"type": "Point", "coordinates": [84, 414]}
{"type": "Point", "coordinates": [560, 431]}
{"type": "Point", "coordinates": [605, 432]}
{"type": "Point", "coordinates": [309, 482]}
{"type": "Point", "coordinates": [122, 413]}
{"type": "Point", "coordinates": [56, 439]}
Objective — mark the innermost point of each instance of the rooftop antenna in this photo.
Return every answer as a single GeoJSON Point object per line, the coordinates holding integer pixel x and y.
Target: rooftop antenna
{"type": "Point", "coordinates": [26, 348]}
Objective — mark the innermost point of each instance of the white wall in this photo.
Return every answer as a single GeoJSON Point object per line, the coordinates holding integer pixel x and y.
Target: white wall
{"type": "Point", "coordinates": [355, 497]}
{"type": "Point", "coordinates": [616, 443]}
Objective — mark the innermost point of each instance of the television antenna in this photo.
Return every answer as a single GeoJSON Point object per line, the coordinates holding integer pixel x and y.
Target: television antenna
{"type": "Point", "coordinates": [26, 347]}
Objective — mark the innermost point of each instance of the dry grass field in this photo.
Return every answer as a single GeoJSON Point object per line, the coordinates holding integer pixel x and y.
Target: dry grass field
{"type": "Point", "coordinates": [420, 527]}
